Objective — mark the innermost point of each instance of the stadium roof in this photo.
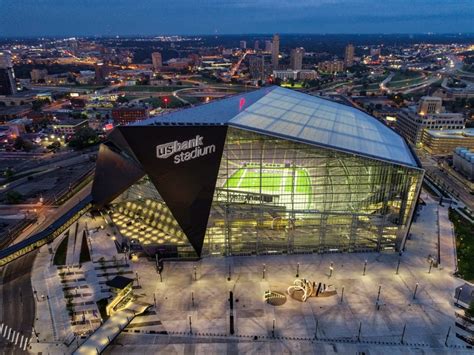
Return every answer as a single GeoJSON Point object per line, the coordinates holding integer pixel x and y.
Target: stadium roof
{"type": "Point", "coordinates": [300, 117]}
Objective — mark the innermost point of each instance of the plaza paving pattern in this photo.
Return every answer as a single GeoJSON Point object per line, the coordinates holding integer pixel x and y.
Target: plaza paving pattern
{"type": "Point", "coordinates": [192, 315]}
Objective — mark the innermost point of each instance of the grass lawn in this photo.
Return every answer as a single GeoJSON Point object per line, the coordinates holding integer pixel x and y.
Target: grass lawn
{"type": "Point", "coordinates": [464, 245]}
{"type": "Point", "coordinates": [60, 255]}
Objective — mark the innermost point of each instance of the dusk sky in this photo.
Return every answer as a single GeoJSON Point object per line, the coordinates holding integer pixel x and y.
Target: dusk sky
{"type": "Point", "coordinates": [150, 17]}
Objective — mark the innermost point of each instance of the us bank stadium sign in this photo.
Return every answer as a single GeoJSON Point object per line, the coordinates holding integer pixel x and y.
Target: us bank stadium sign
{"type": "Point", "coordinates": [185, 150]}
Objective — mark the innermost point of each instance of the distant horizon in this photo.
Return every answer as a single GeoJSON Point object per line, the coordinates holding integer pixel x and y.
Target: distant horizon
{"type": "Point", "coordinates": [458, 34]}
{"type": "Point", "coordinates": [60, 18]}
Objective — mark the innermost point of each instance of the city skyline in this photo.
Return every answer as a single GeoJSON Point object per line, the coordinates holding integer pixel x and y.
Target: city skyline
{"type": "Point", "coordinates": [53, 18]}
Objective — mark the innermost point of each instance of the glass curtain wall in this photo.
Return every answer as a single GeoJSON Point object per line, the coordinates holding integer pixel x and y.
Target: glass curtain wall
{"type": "Point", "coordinates": [276, 196]}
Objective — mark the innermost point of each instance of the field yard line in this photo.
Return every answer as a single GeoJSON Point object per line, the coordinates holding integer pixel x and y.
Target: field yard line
{"type": "Point", "coordinates": [241, 177]}
{"type": "Point", "coordinates": [283, 184]}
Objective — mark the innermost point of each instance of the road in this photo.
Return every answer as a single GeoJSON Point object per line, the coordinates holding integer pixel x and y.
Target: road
{"type": "Point", "coordinates": [446, 181]}
{"type": "Point", "coordinates": [18, 301]}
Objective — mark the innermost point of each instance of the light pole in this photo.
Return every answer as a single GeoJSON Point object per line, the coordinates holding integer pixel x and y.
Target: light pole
{"type": "Point", "coordinates": [192, 298]}
{"type": "Point", "coordinates": [331, 268]}
{"type": "Point", "coordinates": [447, 336]}
{"type": "Point", "coordinates": [263, 275]}
{"type": "Point", "coordinates": [190, 326]}
{"type": "Point", "coordinates": [229, 275]}
{"type": "Point", "coordinates": [459, 295]}
{"type": "Point", "coordinates": [403, 333]}
{"type": "Point", "coordinates": [273, 329]}
{"type": "Point", "coordinates": [298, 270]}
{"type": "Point", "coordinates": [431, 265]}
{"type": "Point", "coordinates": [195, 274]}
{"type": "Point", "coordinates": [342, 294]}
{"type": "Point", "coordinates": [398, 265]}
{"type": "Point", "coordinates": [365, 267]}
{"type": "Point", "coordinates": [360, 329]}
{"type": "Point", "coordinates": [414, 292]}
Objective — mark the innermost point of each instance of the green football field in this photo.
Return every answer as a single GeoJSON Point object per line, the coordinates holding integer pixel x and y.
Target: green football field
{"type": "Point", "coordinates": [276, 180]}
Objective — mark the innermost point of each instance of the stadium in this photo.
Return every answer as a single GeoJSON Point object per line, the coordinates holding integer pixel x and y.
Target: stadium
{"type": "Point", "coordinates": [269, 171]}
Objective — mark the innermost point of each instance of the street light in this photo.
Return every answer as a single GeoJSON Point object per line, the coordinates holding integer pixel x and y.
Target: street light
{"type": "Point", "coordinates": [365, 267]}
{"type": "Point", "coordinates": [414, 293]}
{"type": "Point", "coordinates": [459, 295]}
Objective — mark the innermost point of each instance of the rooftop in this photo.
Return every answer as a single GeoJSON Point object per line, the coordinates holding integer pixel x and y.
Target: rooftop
{"type": "Point", "coordinates": [300, 117]}
{"type": "Point", "coordinates": [451, 133]}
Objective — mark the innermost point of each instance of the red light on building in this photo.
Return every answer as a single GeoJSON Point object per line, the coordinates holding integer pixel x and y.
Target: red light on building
{"type": "Point", "coordinates": [241, 103]}
{"type": "Point", "coordinates": [108, 126]}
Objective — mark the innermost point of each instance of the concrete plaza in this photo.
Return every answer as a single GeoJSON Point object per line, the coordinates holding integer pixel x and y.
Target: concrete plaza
{"type": "Point", "coordinates": [192, 308]}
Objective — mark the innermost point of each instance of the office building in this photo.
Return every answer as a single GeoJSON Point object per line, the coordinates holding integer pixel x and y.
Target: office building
{"type": "Point", "coordinates": [243, 44]}
{"type": "Point", "coordinates": [444, 142]}
{"type": "Point", "coordinates": [256, 45]}
{"type": "Point", "coordinates": [289, 74]}
{"type": "Point", "coordinates": [428, 115]}
{"type": "Point", "coordinates": [275, 51]}
{"type": "Point", "coordinates": [296, 58]}
{"type": "Point", "coordinates": [349, 56]}
{"type": "Point", "coordinates": [7, 75]}
{"type": "Point", "coordinates": [157, 61]}
{"type": "Point", "coordinates": [463, 161]}
{"type": "Point", "coordinates": [266, 172]}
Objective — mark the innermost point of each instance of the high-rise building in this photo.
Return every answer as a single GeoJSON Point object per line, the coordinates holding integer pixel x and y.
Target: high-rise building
{"type": "Point", "coordinates": [296, 58]}
{"type": "Point", "coordinates": [349, 56]}
{"type": "Point", "coordinates": [275, 51]}
{"type": "Point", "coordinates": [268, 46]}
{"type": "Point", "coordinates": [256, 45]}
{"type": "Point", "coordinates": [243, 44]}
{"type": "Point", "coordinates": [157, 60]}
{"type": "Point", "coordinates": [7, 75]}
{"type": "Point", "coordinates": [259, 67]}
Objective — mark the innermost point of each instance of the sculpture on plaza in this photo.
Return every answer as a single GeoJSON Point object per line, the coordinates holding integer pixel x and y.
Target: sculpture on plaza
{"type": "Point", "coordinates": [302, 289]}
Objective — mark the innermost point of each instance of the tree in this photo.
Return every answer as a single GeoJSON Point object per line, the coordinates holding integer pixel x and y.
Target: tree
{"type": "Point", "coordinates": [54, 146]}
{"type": "Point", "coordinates": [83, 138]}
{"type": "Point", "coordinates": [470, 311]}
{"type": "Point", "coordinates": [38, 104]}
{"type": "Point", "coordinates": [23, 144]}
{"type": "Point", "coordinates": [122, 99]}
{"type": "Point", "coordinates": [14, 197]}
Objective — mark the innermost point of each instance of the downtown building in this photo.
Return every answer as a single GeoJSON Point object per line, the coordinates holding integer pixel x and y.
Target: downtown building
{"type": "Point", "coordinates": [270, 171]}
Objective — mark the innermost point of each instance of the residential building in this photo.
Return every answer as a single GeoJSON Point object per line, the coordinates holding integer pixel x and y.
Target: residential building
{"type": "Point", "coordinates": [275, 51]}
{"type": "Point", "coordinates": [125, 115]}
{"type": "Point", "coordinates": [69, 127]}
{"type": "Point", "coordinates": [349, 56]}
{"type": "Point", "coordinates": [256, 45]}
{"type": "Point", "coordinates": [38, 75]}
{"type": "Point", "coordinates": [268, 46]}
{"type": "Point", "coordinates": [157, 60]}
{"type": "Point", "coordinates": [331, 66]}
{"type": "Point", "coordinates": [296, 58]}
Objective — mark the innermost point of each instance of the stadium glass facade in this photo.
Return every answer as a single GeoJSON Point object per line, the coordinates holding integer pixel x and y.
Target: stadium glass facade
{"type": "Point", "coordinates": [275, 195]}
{"type": "Point", "coordinates": [232, 181]}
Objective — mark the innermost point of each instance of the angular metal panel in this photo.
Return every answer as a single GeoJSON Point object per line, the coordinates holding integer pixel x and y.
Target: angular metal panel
{"type": "Point", "coordinates": [114, 173]}
{"type": "Point", "coordinates": [182, 162]}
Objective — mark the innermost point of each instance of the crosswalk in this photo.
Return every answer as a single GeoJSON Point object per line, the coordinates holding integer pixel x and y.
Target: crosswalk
{"type": "Point", "coordinates": [14, 337]}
